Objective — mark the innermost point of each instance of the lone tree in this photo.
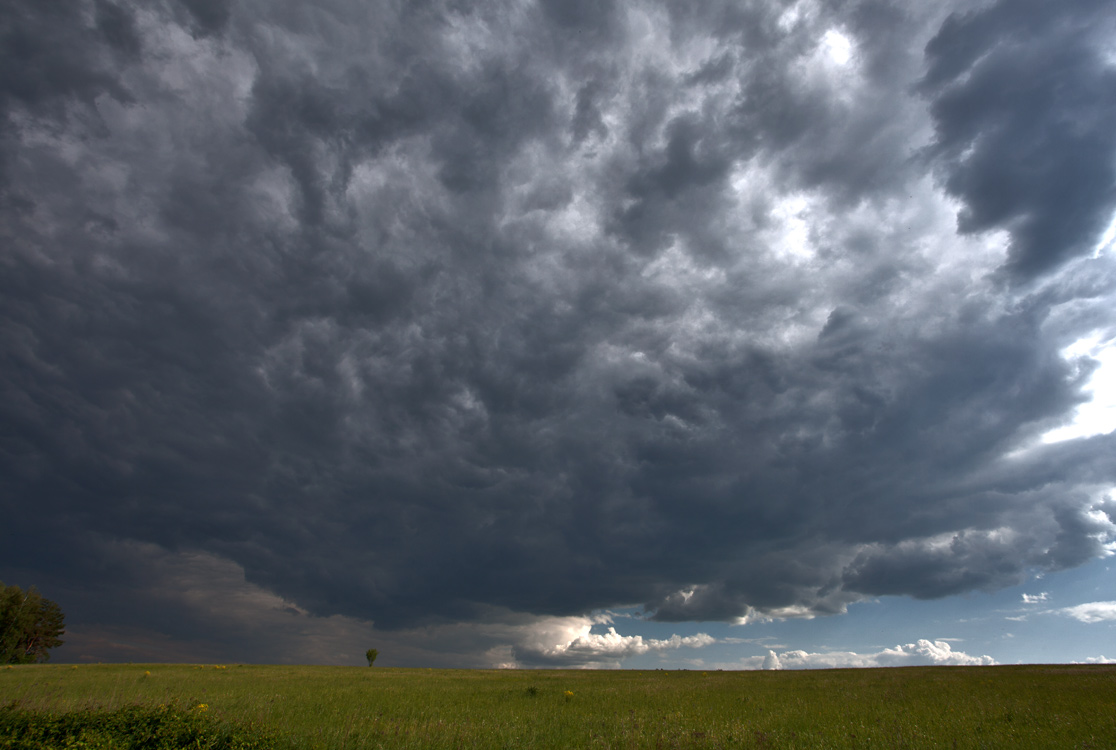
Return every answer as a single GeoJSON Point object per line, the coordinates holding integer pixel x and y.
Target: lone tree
{"type": "Point", "coordinates": [29, 626]}
{"type": "Point", "coordinates": [371, 654]}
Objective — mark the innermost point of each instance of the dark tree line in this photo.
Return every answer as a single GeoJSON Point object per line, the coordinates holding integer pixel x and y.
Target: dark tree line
{"type": "Point", "coordinates": [29, 626]}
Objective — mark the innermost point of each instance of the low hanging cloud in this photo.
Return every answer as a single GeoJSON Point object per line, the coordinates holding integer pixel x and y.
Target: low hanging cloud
{"type": "Point", "coordinates": [1097, 660]}
{"type": "Point", "coordinates": [471, 321]}
{"type": "Point", "coordinates": [188, 593]}
{"type": "Point", "coordinates": [193, 606]}
{"type": "Point", "coordinates": [920, 653]}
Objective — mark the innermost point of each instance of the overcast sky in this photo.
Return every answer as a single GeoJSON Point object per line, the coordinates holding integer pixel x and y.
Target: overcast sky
{"type": "Point", "coordinates": [739, 333]}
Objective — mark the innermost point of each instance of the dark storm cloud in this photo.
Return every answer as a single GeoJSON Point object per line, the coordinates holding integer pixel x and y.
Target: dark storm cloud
{"type": "Point", "coordinates": [420, 314]}
{"type": "Point", "coordinates": [49, 51]}
{"type": "Point", "coordinates": [1023, 98]}
{"type": "Point", "coordinates": [208, 16]}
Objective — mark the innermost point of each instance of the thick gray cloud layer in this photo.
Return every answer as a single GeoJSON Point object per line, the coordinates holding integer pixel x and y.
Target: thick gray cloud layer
{"type": "Point", "coordinates": [420, 311]}
{"type": "Point", "coordinates": [1023, 99]}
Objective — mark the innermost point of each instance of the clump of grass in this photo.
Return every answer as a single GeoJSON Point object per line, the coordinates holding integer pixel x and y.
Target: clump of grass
{"type": "Point", "coordinates": [128, 728]}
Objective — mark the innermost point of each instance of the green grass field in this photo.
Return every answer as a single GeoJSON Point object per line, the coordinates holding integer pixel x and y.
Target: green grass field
{"type": "Point", "coordinates": [361, 707]}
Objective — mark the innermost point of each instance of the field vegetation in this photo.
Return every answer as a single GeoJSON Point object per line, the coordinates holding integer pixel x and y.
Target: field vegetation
{"type": "Point", "coordinates": [356, 707]}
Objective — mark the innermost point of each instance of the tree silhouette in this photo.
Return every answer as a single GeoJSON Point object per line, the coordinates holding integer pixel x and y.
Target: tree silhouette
{"type": "Point", "coordinates": [29, 626]}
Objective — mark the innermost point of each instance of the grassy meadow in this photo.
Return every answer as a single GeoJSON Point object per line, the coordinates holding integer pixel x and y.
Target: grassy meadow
{"type": "Point", "coordinates": [360, 707]}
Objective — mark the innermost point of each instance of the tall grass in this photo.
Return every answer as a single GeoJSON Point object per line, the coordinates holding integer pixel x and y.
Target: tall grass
{"type": "Point", "coordinates": [359, 707]}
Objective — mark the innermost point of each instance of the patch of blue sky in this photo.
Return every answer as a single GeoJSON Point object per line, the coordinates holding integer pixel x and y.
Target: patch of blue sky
{"type": "Point", "coordinates": [1001, 624]}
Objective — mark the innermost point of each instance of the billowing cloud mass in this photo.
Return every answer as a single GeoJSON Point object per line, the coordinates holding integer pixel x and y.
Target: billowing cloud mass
{"type": "Point", "coordinates": [591, 649]}
{"type": "Point", "coordinates": [920, 653]}
{"type": "Point", "coordinates": [473, 320]}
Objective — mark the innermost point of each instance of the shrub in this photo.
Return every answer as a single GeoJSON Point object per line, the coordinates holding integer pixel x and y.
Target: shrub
{"type": "Point", "coordinates": [128, 728]}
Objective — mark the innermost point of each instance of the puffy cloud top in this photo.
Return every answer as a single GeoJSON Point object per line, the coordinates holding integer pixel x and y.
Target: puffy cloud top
{"type": "Point", "coordinates": [920, 653]}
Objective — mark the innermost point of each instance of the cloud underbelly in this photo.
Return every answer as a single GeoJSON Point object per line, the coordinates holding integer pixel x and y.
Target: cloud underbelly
{"type": "Point", "coordinates": [731, 313]}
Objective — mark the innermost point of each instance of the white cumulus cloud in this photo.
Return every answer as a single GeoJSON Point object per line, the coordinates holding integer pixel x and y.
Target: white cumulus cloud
{"type": "Point", "coordinates": [921, 652]}
{"type": "Point", "coordinates": [1092, 611]}
{"type": "Point", "coordinates": [577, 646]}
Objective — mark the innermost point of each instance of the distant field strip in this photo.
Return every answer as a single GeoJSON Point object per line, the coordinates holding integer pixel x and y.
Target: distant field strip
{"type": "Point", "coordinates": [359, 707]}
